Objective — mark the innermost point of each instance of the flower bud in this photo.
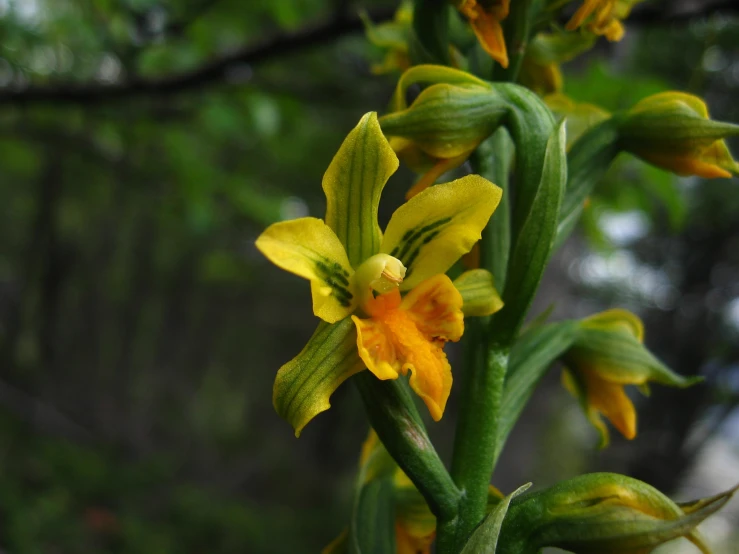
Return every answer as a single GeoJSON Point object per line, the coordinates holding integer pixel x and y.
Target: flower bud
{"type": "Point", "coordinates": [672, 130]}
{"type": "Point", "coordinates": [607, 355]}
{"type": "Point", "coordinates": [602, 513]}
{"type": "Point", "coordinates": [444, 124]}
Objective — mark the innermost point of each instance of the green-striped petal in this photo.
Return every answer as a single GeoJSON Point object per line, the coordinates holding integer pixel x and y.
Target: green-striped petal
{"type": "Point", "coordinates": [304, 385]}
{"type": "Point", "coordinates": [353, 183]}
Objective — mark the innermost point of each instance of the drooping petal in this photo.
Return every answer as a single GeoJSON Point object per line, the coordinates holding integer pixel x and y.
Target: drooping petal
{"type": "Point", "coordinates": [376, 348]}
{"type": "Point", "coordinates": [353, 183]}
{"type": "Point", "coordinates": [308, 248]}
{"type": "Point", "coordinates": [485, 18]}
{"type": "Point", "coordinates": [435, 228]}
{"type": "Point", "coordinates": [435, 306]}
{"type": "Point", "coordinates": [478, 293]}
{"type": "Point", "coordinates": [599, 397]}
{"type": "Point", "coordinates": [304, 385]}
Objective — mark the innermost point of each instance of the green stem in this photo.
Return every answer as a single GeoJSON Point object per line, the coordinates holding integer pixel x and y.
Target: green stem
{"type": "Point", "coordinates": [475, 440]}
{"type": "Point", "coordinates": [393, 416]}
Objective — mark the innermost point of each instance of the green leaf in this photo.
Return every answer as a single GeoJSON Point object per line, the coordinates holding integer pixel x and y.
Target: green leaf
{"type": "Point", "coordinates": [535, 238]}
{"type": "Point", "coordinates": [587, 163]}
{"type": "Point", "coordinates": [532, 355]}
{"type": "Point", "coordinates": [303, 386]}
{"type": "Point", "coordinates": [484, 539]}
{"type": "Point", "coordinates": [353, 184]}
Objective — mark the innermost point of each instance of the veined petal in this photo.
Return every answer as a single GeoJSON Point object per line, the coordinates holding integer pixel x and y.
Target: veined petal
{"type": "Point", "coordinates": [308, 248]}
{"type": "Point", "coordinates": [435, 306]}
{"type": "Point", "coordinates": [436, 227]}
{"type": "Point", "coordinates": [353, 183]}
{"type": "Point", "coordinates": [478, 293]}
{"type": "Point", "coordinates": [376, 348]}
{"type": "Point", "coordinates": [304, 385]}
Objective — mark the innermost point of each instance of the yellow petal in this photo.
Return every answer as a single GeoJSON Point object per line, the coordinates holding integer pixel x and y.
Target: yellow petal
{"type": "Point", "coordinates": [435, 306]}
{"type": "Point", "coordinates": [486, 25]}
{"type": "Point", "coordinates": [478, 293]}
{"type": "Point", "coordinates": [376, 348]}
{"type": "Point", "coordinates": [308, 248]}
{"type": "Point", "coordinates": [435, 228]}
{"type": "Point", "coordinates": [685, 165]}
{"type": "Point", "coordinates": [611, 400]}
{"type": "Point", "coordinates": [353, 183]}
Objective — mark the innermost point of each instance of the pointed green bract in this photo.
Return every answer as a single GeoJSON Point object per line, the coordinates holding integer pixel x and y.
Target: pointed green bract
{"type": "Point", "coordinates": [304, 385]}
{"type": "Point", "coordinates": [478, 293]}
{"type": "Point", "coordinates": [484, 540]}
{"type": "Point", "coordinates": [353, 183]}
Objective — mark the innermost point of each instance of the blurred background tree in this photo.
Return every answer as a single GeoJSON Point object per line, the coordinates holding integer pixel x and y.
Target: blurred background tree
{"type": "Point", "coordinates": [143, 146]}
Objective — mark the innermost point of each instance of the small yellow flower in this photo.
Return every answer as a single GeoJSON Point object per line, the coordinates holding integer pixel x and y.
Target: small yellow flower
{"type": "Point", "coordinates": [607, 355]}
{"type": "Point", "coordinates": [357, 275]}
{"type": "Point", "coordinates": [485, 17]}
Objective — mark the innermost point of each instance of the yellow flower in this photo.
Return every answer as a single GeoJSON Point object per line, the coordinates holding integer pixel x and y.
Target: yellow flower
{"type": "Point", "coordinates": [484, 17]}
{"type": "Point", "coordinates": [602, 17]}
{"type": "Point", "coordinates": [673, 130]}
{"type": "Point", "coordinates": [357, 275]}
{"type": "Point", "coordinates": [607, 355]}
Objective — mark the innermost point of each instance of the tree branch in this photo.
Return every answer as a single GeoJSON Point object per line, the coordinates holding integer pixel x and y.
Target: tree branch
{"type": "Point", "coordinates": [221, 70]}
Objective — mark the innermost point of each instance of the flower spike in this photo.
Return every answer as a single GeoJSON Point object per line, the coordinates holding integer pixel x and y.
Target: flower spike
{"type": "Point", "coordinates": [355, 271]}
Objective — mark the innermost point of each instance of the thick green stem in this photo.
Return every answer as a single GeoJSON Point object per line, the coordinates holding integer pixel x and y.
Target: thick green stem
{"type": "Point", "coordinates": [393, 416]}
{"type": "Point", "coordinates": [474, 445]}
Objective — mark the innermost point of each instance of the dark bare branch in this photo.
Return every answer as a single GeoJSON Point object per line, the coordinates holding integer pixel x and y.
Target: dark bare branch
{"type": "Point", "coordinates": [224, 69]}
